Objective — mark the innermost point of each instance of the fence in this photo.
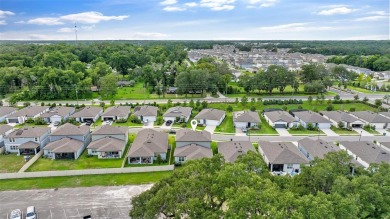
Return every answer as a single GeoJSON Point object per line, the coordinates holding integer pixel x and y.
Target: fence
{"type": "Point", "coordinates": [86, 172]}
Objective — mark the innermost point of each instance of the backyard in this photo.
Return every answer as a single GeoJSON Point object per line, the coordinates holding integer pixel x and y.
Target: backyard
{"type": "Point", "coordinates": [11, 163]}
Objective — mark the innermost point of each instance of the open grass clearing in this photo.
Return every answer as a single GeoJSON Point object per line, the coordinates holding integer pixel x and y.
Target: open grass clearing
{"type": "Point", "coordinates": [11, 163]}
{"type": "Point", "coordinates": [227, 125]}
{"type": "Point", "coordinates": [341, 131]}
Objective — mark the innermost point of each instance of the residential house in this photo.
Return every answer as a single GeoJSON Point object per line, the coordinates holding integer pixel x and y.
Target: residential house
{"type": "Point", "coordinates": [178, 113]}
{"type": "Point", "coordinates": [385, 145]}
{"type": "Point", "coordinates": [88, 114]}
{"type": "Point", "coordinates": [146, 113]}
{"type": "Point", "coordinates": [231, 150]}
{"type": "Point", "coordinates": [6, 111]}
{"type": "Point", "coordinates": [385, 114]}
{"type": "Point", "coordinates": [147, 146]}
{"type": "Point", "coordinates": [372, 119]}
{"type": "Point", "coordinates": [64, 148]}
{"type": "Point", "coordinates": [279, 119]}
{"type": "Point", "coordinates": [366, 153]}
{"type": "Point", "coordinates": [4, 130]}
{"type": "Point", "coordinates": [115, 113]}
{"type": "Point", "coordinates": [108, 142]}
{"type": "Point", "coordinates": [210, 117]}
{"type": "Point", "coordinates": [339, 116]}
{"type": "Point", "coordinates": [246, 119]}
{"type": "Point", "coordinates": [27, 140]}
{"type": "Point", "coordinates": [30, 112]}
{"type": "Point", "coordinates": [306, 117]}
{"type": "Point", "coordinates": [81, 133]}
{"type": "Point", "coordinates": [191, 145]}
{"type": "Point", "coordinates": [58, 114]}
{"type": "Point", "coordinates": [316, 148]}
{"type": "Point", "coordinates": [282, 156]}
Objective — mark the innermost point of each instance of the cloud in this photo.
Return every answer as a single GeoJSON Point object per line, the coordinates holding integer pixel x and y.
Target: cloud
{"type": "Point", "coordinates": [2, 22]}
{"type": "Point", "coordinates": [262, 3]}
{"type": "Point", "coordinates": [372, 18]}
{"type": "Point", "coordinates": [4, 14]}
{"type": "Point", "coordinates": [174, 8]}
{"type": "Point", "coordinates": [295, 27]}
{"type": "Point", "coordinates": [336, 10]}
{"type": "Point", "coordinates": [90, 17]}
{"type": "Point", "coordinates": [140, 35]}
{"type": "Point", "coordinates": [65, 30]}
{"type": "Point", "coordinates": [168, 2]}
{"type": "Point", "coordinates": [195, 22]}
{"type": "Point", "coordinates": [191, 4]}
{"type": "Point", "coordinates": [218, 5]}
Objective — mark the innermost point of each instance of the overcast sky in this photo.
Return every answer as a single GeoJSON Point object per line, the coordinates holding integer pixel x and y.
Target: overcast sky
{"type": "Point", "coordinates": [194, 19]}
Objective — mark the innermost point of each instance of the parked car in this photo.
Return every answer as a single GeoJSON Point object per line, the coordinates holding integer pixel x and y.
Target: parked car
{"type": "Point", "coordinates": [168, 123]}
{"type": "Point", "coordinates": [56, 123]}
{"type": "Point", "coordinates": [16, 214]}
{"type": "Point", "coordinates": [30, 213]}
{"type": "Point", "coordinates": [172, 131]}
{"type": "Point", "coordinates": [88, 123]}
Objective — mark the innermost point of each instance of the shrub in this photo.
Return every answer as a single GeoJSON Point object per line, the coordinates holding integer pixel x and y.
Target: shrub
{"type": "Point", "coordinates": [159, 121]}
{"type": "Point", "coordinates": [340, 125]}
{"type": "Point", "coordinates": [26, 104]}
{"type": "Point", "coordinates": [134, 119]}
{"type": "Point", "coordinates": [310, 126]}
{"type": "Point", "coordinates": [229, 108]}
{"type": "Point", "coordinates": [102, 104]}
{"type": "Point", "coordinates": [352, 109]}
{"type": "Point", "coordinates": [253, 108]}
{"type": "Point", "coordinates": [121, 120]}
{"type": "Point", "coordinates": [39, 121]}
{"type": "Point", "coordinates": [30, 120]}
{"type": "Point", "coordinates": [329, 107]}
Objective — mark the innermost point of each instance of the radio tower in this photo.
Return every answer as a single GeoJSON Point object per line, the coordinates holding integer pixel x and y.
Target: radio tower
{"type": "Point", "coordinates": [75, 31]}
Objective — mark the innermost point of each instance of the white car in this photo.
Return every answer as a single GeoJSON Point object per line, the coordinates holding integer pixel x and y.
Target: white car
{"type": "Point", "coordinates": [16, 214]}
{"type": "Point", "coordinates": [30, 213]}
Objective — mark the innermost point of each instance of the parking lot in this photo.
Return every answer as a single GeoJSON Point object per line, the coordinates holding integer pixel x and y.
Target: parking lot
{"type": "Point", "coordinates": [100, 202]}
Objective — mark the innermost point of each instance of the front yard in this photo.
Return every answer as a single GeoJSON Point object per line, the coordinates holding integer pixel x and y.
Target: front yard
{"type": "Point", "coordinates": [305, 132]}
{"type": "Point", "coordinates": [265, 129]}
{"type": "Point", "coordinates": [11, 163]}
{"type": "Point", "coordinates": [340, 131]}
{"type": "Point", "coordinates": [227, 125]}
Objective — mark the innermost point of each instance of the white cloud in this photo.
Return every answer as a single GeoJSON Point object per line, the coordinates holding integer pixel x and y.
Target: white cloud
{"type": "Point", "coordinates": [383, 13]}
{"type": "Point", "coordinates": [174, 8]}
{"type": "Point", "coordinates": [65, 30]}
{"type": "Point", "coordinates": [295, 27]}
{"type": "Point", "coordinates": [168, 2]}
{"type": "Point", "coordinates": [191, 4]}
{"type": "Point", "coordinates": [90, 27]}
{"type": "Point", "coordinates": [195, 22]}
{"type": "Point", "coordinates": [140, 35]}
{"type": "Point", "coordinates": [372, 18]}
{"type": "Point", "coordinates": [336, 10]}
{"type": "Point", "coordinates": [3, 14]}
{"type": "Point", "coordinates": [262, 3]}
{"type": "Point", "coordinates": [218, 5]}
{"type": "Point", "coordinates": [43, 21]}
{"type": "Point", "coordinates": [2, 22]}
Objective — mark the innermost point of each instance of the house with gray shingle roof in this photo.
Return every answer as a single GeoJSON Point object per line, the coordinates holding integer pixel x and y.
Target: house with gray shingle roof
{"type": "Point", "coordinates": [6, 111]}
{"type": "Point", "coordinates": [210, 117]}
{"type": "Point", "coordinates": [179, 113]}
{"type": "Point", "coordinates": [279, 119]}
{"type": "Point", "coordinates": [339, 116]}
{"type": "Point", "coordinates": [116, 113]}
{"type": "Point", "coordinates": [26, 113]}
{"type": "Point", "coordinates": [58, 114]}
{"type": "Point", "coordinates": [81, 133]}
{"type": "Point", "coordinates": [246, 119]}
{"type": "Point", "coordinates": [146, 113]}
{"type": "Point", "coordinates": [282, 156]}
{"type": "Point", "coordinates": [146, 147]}
{"type": "Point", "coordinates": [4, 130]}
{"type": "Point", "coordinates": [231, 150]}
{"type": "Point", "coordinates": [27, 140]}
{"type": "Point", "coordinates": [373, 119]}
{"type": "Point", "coordinates": [108, 141]}
{"type": "Point", "coordinates": [306, 117]}
{"type": "Point", "coordinates": [192, 145]}
{"type": "Point", "coordinates": [312, 148]}
{"type": "Point", "coordinates": [89, 113]}
{"type": "Point", "coordinates": [366, 153]}
{"type": "Point", "coordinates": [65, 148]}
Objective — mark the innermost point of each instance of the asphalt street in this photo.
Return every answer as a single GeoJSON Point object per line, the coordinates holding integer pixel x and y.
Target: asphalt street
{"type": "Point", "coordinates": [112, 202]}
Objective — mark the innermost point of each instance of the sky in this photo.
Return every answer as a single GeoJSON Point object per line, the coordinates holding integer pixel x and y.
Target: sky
{"type": "Point", "coordinates": [194, 19]}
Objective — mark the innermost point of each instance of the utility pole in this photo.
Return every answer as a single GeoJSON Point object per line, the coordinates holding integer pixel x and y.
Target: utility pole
{"type": "Point", "coordinates": [360, 135]}
{"type": "Point", "coordinates": [75, 31]}
{"type": "Point", "coordinates": [77, 97]}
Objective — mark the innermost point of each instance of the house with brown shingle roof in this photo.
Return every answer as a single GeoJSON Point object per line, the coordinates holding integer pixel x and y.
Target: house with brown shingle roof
{"type": "Point", "coordinates": [65, 148]}
{"type": "Point", "coordinates": [89, 113]}
{"type": "Point", "coordinates": [108, 142]}
{"type": "Point", "coordinates": [366, 153]}
{"type": "Point", "coordinates": [27, 140]}
{"type": "Point", "coordinates": [146, 147]}
{"type": "Point", "coordinates": [306, 117]}
{"type": "Point", "coordinates": [116, 113]}
{"type": "Point", "coordinates": [191, 145]}
{"type": "Point", "coordinates": [279, 119]}
{"type": "Point", "coordinates": [22, 115]}
{"type": "Point", "coordinates": [246, 119]}
{"type": "Point", "coordinates": [210, 117]}
{"type": "Point", "coordinates": [58, 114]}
{"type": "Point", "coordinates": [178, 113]}
{"type": "Point", "coordinates": [146, 113]}
{"type": "Point", "coordinates": [373, 119]}
{"type": "Point", "coordinates": [231, 150]}
{"type": "Point", "coordinates": [6, 111]}
{"type": "Point", "coordinates": [4, 130]}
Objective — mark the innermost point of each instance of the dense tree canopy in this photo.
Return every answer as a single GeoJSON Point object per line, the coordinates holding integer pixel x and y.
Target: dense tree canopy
{"type": "Point", "coordinates": [373, 62]}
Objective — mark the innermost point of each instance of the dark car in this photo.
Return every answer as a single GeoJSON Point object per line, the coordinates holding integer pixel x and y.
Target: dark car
{"type": "Point", "coordinates": [168, 123]}
{"type": "Point", "coordinates": [172, 131]}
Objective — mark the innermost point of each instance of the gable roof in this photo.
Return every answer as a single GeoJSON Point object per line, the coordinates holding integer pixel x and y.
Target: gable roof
{"type": "Point", "coordinates": [232, 149]}
{"type": "Point", "coordinates": [371, 117]}
{"type": "Point", "coordinates": [5, 110]}
{"type": "Point", "coordinates": [64, 145]}
{"type": "Point", "coordinates": [282, 153]}
{"type": "Point", "coordinates": [210, 114]}
{"type": "Point", "coordinates": [29, 132]}
{"type": "Point", "coordinates": [29, 111]}
{"type": "Point", "coordinates": [193, 152]}
{"type": "Point", "coordinates": [145, 111]}
{"type": "Point", "coordinates": [386, 114]}
{"type": "Point", "coordinates": [367, 151]}
{"type": "Point", "coordinates": [89, 111]}
{"type": "Point", "coordinates": [147, 143]}
{"type": "Point", "coordinates": [311, 117]}
{"type": "Point", "coordinates": [188, 135]}
{"type": "Point", "coordinates": [110, 130]}
{"type": "Point", "coordinates": [279, 115]}
{"type": "Point", "coordinates": [107, 144]}
{"type": "Point", "coordinates": [317, 148]}
{"type": "Point", "coordinates": [178, 111]}
{"type": "Point", "coordinates": [121, 111]}
{"type": "Point", "coordinates": [29, 145]}
{"type": "Point", "coordinates": [246, 116]}
{"type": "Point", "coordinates": [69, 129]}
{"type": "Point", "coordinates": [339, 116]}
{"type": "Point", "coordinates": [5, 128]}
{"type": "Point", "coordinates": [60, 111]}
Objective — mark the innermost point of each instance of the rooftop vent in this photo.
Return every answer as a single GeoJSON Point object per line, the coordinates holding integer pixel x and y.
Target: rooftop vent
{"type": "Point", "coordinates": [19, 132]}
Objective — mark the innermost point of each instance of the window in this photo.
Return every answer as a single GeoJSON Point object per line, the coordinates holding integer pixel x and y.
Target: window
{"type": "Point", "coordinates": [36, 139]}
{"type": "Point", "coordinates": [14, 147]}
{"type": "Point", "coordinates": [289, 166]}
{"type": "Point", "coordinates": [12, 140]}
{"type": "Point", "coordinates": [93, 151]}
{"type": "Point", "coordinates": [181, 159]}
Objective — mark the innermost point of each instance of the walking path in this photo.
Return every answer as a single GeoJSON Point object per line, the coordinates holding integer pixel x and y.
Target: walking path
{"type": "Point", "coordinates": [31, 162]}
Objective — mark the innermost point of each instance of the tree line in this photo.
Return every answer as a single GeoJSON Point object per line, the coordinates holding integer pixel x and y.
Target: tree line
{"type": "Point", "coordinates": [372, 62]}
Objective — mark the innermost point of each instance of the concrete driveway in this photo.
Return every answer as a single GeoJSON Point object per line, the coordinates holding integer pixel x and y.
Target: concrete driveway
{"type": "Point", "coordinates": [239, 132]}
{"type": "Point", "coordinates": [164, 126]}
{"type": "Point", "coordinates": [384, 131]}
{"type": "Point", "coordinates": [282, 132]}
{"type": "Point", "coordinates": [363, 132]}
{"type": "Point", "coordinates": [329, 132]}
{"type": "Point", "coordinates": [210, 128]}
{"type": "Point", "coordinates": [148, 125]}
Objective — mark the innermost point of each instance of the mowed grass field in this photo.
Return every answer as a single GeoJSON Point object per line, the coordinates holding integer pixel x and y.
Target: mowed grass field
{"type": "Point", "coordinates": [11, 163]}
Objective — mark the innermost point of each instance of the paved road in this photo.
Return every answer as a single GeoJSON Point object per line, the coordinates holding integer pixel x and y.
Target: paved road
{"type": "Point", "coordinates": [112, 202]}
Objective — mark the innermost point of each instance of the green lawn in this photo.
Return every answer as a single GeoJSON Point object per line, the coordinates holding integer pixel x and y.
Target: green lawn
{"type": "Point", "coordinates": [227, 125]}
{"type": "Point", "coordinates": [305, 132]}
{"type": "Point", "coordinates": [265, 129]}
{"type": "Point", "coordinates": [362, 90]}
{"type": "Point", "coordinates": [11, 163]}
{"type": "Point", "coordinates": [340, 131]}
{"type": "Point", "coordinates": [374, 132]}
{"type": "Point", "coordinates": [83, 181]}
{"type": "Point", "coordinates": [214, 147]}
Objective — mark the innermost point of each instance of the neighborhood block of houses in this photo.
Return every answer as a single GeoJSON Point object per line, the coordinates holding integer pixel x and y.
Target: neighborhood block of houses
{"type": "Point", "coordinates": [191, 145]}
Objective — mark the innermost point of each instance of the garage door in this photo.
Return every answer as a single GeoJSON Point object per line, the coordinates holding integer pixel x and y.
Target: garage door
{"type": "Point", "coordinates": [280, 126]}
{"type": "Point", "coordinates": [13, 120]}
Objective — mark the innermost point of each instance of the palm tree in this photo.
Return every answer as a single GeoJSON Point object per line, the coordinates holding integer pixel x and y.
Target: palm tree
{"type": "Point", "coordinates": [386, 98]}
{"type": "Point", "coordinates": [159, 88]}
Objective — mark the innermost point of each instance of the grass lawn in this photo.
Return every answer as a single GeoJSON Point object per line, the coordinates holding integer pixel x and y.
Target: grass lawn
{"type": "Point", "coordinates": [214, 147]}
{"type": "Point", "coordinates": [18, 126]}
{"type": "Point", "coordinates": [362, 90]}
{"type": "Point", "coordinates": [83, 181]}
{"type": "Point", "coordinates": [340, 131]}
{"type": "Point", "coordinates": [11, 163]}
{"type": "Point", "coordinates": [227, 125]}
{"type": "Point", "coordinates": [374, 132]}
{"type": "Point", "coordinates": [305, 132]}
{"type": "Point", "coordinates": [265, 129]}
{"type": "Point", "coordinates": [138, 92]}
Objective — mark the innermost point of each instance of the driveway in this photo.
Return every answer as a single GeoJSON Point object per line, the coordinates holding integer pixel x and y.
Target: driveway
{"type": "Point", "coordinates": [363, 132]}
{"type": "Point", "coordinates": [384, 131]}
{"type": "Point", "coordinates": [210, 128]}
{"type": "Point", "coordinates": [164, 126]}
{"type": "Point", "coordinates": [329, 132]}
{"type": "Point", "coordinates": [239, 132]}
{"type": "Point", "coordinates": [148, 125]}
{"type": "Point", "coordinates": [73, 203]}
{"type": "Point", "coordinates": [282, 132]}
